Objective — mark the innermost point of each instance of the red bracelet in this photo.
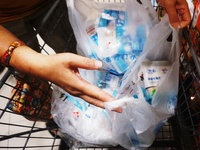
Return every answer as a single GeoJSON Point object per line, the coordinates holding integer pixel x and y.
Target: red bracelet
{"type": "Point", "coordinates": [5, 59]}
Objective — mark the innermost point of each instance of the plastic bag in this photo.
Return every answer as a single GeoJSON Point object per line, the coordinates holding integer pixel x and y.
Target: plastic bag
{"type": "Point", "coordinates": [138, 124]}
{"type": "Point", "coordinates": [110, 32]}
{"type": "Point", "coordinates": [141, 119]}
{"type": "Point", "coordinates": [80, 120]}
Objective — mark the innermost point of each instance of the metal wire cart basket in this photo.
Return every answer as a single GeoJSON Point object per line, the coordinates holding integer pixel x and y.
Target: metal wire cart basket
{"type": "Point", "coordinates": [32, 130]}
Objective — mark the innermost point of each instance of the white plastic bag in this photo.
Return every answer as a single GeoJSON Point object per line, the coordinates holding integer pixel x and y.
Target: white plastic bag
{"type": "Point", "coordinates": [80, 120]}
{"type": "Point", "coordinates": [138, 124]}
{"type": "Point", "coordinates": [141, 119]}
{"type": "Point", "coordinates": [110, 32]}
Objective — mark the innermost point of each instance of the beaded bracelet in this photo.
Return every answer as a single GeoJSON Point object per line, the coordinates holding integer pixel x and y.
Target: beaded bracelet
{"type": "Point", "coordinates": [5, 59]}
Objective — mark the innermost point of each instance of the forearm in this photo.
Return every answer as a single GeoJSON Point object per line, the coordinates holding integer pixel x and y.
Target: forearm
{"type": "Point", "coordinates": [61, 69]}
{"type": "Point", "coordinates": [27, 60]}
{"type": "Point", "coordinates": [6, 38]}
{"type": "Point", "coordinates": [23, 58]}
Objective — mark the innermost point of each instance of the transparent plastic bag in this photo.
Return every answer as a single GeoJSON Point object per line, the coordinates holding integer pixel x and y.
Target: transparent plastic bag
{"type": "Point", "coordinates": [81, 121]}
{"type": "Point", "coordinates": [141, 119]}
{"type": "Point", "coordinates": [138, 124]}
{"type": "Point", "coordinates": [110, 32]}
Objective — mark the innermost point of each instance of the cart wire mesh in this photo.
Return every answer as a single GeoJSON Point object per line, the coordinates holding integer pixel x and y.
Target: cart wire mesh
{"type": "Point", "coordinates": [188, 111]}
{"type": "Point", "coordinates": [180, 132]}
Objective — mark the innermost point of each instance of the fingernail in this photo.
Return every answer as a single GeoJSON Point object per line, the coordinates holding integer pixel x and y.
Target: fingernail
{"type": "Point", "coordinates": [119, 110]}
{"type": "Point", "coordinates": [98, 64]}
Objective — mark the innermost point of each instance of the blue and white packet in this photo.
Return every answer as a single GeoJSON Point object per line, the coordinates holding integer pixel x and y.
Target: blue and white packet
{"type": "Point", "coordinates": [109, 32]}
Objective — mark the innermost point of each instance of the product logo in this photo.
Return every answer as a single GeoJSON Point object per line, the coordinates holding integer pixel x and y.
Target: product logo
{"type": "Point", "coordinates": [154, 78]}
{"type": "Point", "coordinates": [151, 71]}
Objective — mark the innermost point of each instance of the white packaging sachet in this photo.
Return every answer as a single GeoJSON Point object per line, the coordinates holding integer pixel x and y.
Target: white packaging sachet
{"type": "Point", "coordinates": [153, 72]}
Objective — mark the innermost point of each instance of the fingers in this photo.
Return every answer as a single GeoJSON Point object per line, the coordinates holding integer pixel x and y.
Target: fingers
{"type": "Point", "coordinates": [90, 93]}
{"type": "Point", "coordinates": [93, 101]}
{"type": "Point", "coordinates": [173, 16]}
{"type": "Point", "coordinates": [98, 103]}
{"type": "Point", "coordinates": [178, 12]}
{"type": "Point", "coordinates": [184, 13]}
{"type": "Point", "coordinates": [82, 87]}
{"type": "Point", "coordinates": [84, 62]}
{"type": "Point", "coordinates": [68, 78]}
{"type": "Point", "coordinates": [170, 8]}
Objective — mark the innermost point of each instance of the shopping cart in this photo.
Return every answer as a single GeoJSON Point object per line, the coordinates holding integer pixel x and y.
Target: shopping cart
{"type": "Point", "coordinates": [187, 113]}
{"type": "Point", "coordinates": [181, 132]}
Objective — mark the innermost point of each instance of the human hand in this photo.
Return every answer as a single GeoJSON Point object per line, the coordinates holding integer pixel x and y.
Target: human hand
{"type": "Point", "coordinates": [62, 69]}
{"type": "Point", "coordinates": [178, 11]}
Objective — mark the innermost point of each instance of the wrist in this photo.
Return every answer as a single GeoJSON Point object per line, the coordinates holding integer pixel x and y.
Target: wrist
{"type": "Point", "coordinates": [26, 60]}
{"type": "Point", "coordinates": [5, 58]}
